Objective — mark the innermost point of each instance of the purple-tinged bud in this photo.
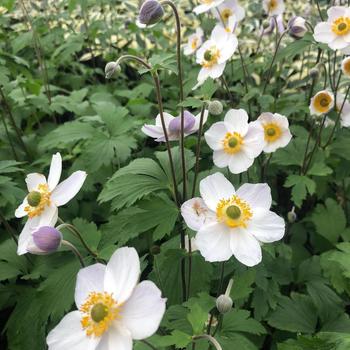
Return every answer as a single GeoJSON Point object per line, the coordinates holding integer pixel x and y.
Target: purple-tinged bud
{"type": "Point", "coordinates": [46, 240]}
{"type": "Point", "coordinates": [189, 121]}
{"type": "Point", "coordinates": [151, 12]}
{"type": "Point", "coordinates": [297, 27]}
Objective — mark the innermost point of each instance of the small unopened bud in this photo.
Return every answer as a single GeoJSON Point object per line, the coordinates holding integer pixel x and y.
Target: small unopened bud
{"type": "Point", "coordinates": [155, 250]}
{"type": "Point", "coordinates": [292, 217]}
{"type": "Point", "coordinates": [215, 107]}
{"type": "Point", "coordinates": [314, 73]}
{"type": "Point", "coordinates": [224, 302]}
{"type": "Point", "coordinates": [46, 240]}
{"type": "Point", "coordinates": [111, 68]}
{"type": "Point", "coordinates": [34, 198]}
{"type": "Point", "coordinates": [297, 27]}
{"type": "Point", "coordinates": [151, 12]}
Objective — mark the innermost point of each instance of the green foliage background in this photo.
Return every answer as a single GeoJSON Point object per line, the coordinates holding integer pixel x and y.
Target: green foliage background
{"type": "Point", "coordinates": [52, 58]}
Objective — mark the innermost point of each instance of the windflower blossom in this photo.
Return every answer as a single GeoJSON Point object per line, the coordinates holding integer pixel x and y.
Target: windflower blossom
{"type": "Point", "coordinates": [345, 111]}
{"type": "Point", "coordinates": [194, 42]}
{"type": "Point", "coordinates": [228, 14]}
{"type": "Point", "coordinates": [235, 142]}
{"type": "Point", "coordinates": [345, 66]}
{"type": "Point", "coordinates": [321, 103]}
{"type": "Point", "coordinates": [44, 197]}
{"type": "Point", "coordinates": [214, 53]}
{"type": "Point", "coordinates": [276, 129]}
{"type": "Point", "coordinates": [336, 31]}
{"type": "Point", "coordinates": [236, 221]}
{"type": "Point", "coordinates": [173, 126]}
{"type": "Point", "coordinates": [206, 5]}
{"type": "Point", "coordinates": [273, 7]}
{"type": "Point", "coordinates": [113, 308]}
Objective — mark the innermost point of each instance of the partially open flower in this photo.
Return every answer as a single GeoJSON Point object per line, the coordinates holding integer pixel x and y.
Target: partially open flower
{"type": "Point", "coordinates": [273, 7]}
{"type": "Point", "coordinates": [151, 12]}
{"type": "Point", "coordinates": [194, 42]}
{"type": "Point", "coordinates": [45, 240]}
{"type": "Point", "coordinates": [297, 27]}
{"type": "Point", "coordinates": [272, 25]}
{"type": "Point", "coordinates": [345, 66]}
{"type": "Point", "coordinates": [322, 102]}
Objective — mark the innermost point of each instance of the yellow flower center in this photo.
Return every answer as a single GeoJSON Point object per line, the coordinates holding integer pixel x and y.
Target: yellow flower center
{"type": "Point", "coordinates": [194, 43]}
{"type": "Point", "coordinates": [37, 201]}
{"type": "Point", "coordinates": [272, 132]}
{"type": "Point", "coordinates": [98, 312]}
{"type": "Point", "coordinates": [234, 212]}
{"type": "Point", "coordinates": [346, 67]}
{"type": "Point", "coordinates": [341, 26]}
{"type": "Point", "coordinates": [226, 14]}
{"type": "Point", "coordinates": [232, 142]}
{"type": "Point", "coordinates": [322, 102]}
{"type": "Point", "coordinates": [211, 57]}
{"type": "Point", "coordinates": [272, 5]}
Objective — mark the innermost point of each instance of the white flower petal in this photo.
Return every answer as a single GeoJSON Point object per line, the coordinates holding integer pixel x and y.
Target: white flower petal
{"type": "Point", "coordinates": [335, 12]}
{"type": "Point", "coordinates": [245, 247]}
{"type": "Point", "coordinates": [221, 159]}
{"type": "Point", "coordinates": [266, 226]}
{"type": "Point", "coordinates": [216, 70]}
{"type": "Point", "coordinates": [143, 311]}
{"type": "Point", "coordinates": [33, 180]}
{"type": "Point", "coordinates": [240, 162]}
{"type": "Point", "coordinates": [167, 119]}
{"type": "Point", "coordinates": [25, 235]}
{"type": "Point", "coordinates": [122, 273]}
{"type": "Point", "coordinates": [55, 171]}
{"type": "Point", "coordinates": [68, 188]}
{"type": "Point", "coordinates": [215, 136]}
{"type": "Point", "coordinates": [89, 279]}
{"type": "Point", "coordinates": [254, 140]}
{"type": "Point", "coordinates": [20, 212]}
{"type": "Point", "coordinates": [196, 213]}
{"type": "Point", "coordinates": [214, 188]}
{"type": "Point", "coordinates": [237, 120]}
{"type": "Point", "coordinates": [69, 334]}
{"type": "Point", "coordinates": [323, 33]}
{"type": "Point", "coordinates": [256, 195]}
{"type": "Point", "coordinates": [116, 338]}
{"type": "Point", "coordinates": [152, 130]}
{"type": "Point", "coordinates": [198, 119]}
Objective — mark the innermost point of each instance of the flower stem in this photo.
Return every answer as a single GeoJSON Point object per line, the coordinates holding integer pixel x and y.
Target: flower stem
{"type": "Point", "coordinates": [208, 337]}
{"type": "Point", "coordinates": [148, 344]}
{"type": "Point", "coordinates": [224, 83]}
{"type": "Point", "coordinates": [245, 78]}
{"type": "Point", "coordinates": [75, 251]}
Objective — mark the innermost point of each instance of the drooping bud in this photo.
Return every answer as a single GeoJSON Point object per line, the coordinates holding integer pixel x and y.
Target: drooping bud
{"type": "Point", "coordinates": [46, 240]}
{"type": "Point", "coordinates": [34, 198]}
{"type": "Point", "coordinates": [151, 12]}
{"type": "Point", "coordinates": [292, 217]}
{"type": "Point", "coordinates": [224, 302]}
{"type": "Point", "coordinates": [314, 73]}
{"type": "Point", "coordinates": [215, 107]}
{"type": "Point", "coordinates": [189, 121]}
{"type": "Point", "coordinates": [297, 27]}
{"type": "Point", "coordinates": [111, 68]}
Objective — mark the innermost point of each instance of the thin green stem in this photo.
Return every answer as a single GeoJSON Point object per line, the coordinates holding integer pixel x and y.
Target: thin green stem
{"type": "Point", "coordinates": [189, 267]}
{"type": "Point", "coordinates": [245, 78]}
{"type": "Point", "coordinates": [210, 339]}
{"type": "Point", "coordinates": [75, 251]}
{"type": "Point", "coordinates": [9, 137]}
{"type": "Point", "coordinates": [319, 10]}
{"type": "Point", "coordinates": [224, 83]}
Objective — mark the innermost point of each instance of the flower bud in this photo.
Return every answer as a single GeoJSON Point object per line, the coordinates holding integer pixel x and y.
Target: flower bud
{"type": "Point", "coordinates": [46, 240]}
{"type": "Point", "coordinates": [297, 27]}
{"type": "Point", "coordinates": [215, 107]}
{"type": "Point", "coordinates": [151, 12]}
{"type": "Point", "coordinates": [314, 73]}
{"type": "Point", "coordinates": [111, 68]}
{"type": "Point", "coordinates": [224, 303]}
{"type": "Point", "coordinates": [292, 217]}
{"type": "Point", "coordinates": [189, 121]}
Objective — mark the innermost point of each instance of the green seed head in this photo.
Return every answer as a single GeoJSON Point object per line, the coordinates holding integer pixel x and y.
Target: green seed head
{"type": "Point", "coordinates": [271, 132]}
{"type": "Point", "coordinates": [324, 102]}
{"type": "Point", "coordinates": [34, 198]}
{"type": "Point", "coordinates": [208, 56]}
{"type": "Point", "coordinates": [232, 142]}
{"type": "Point", "coordinates": [99, 312]}
{"type": "Point", "coordinates": [342, 26]}
{"type": "Point", "coordinates": [233, 212]}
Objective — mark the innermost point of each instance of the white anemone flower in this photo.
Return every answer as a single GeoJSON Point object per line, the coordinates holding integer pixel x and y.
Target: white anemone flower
{"type": "Point", "coordinates": [273, 7]}
{"type": "Point", "coordinates": [44, 197]}
{"type": "Point", "coordinates": [173, 126]}
{"type": "Point", "coordinates": [113, 308]}
{"type": "Point", "coordinates": [214, 53]}
{"type": "Point", "coordinates": [235, 142]}
{"type": "Point", "coordinates": [237, 221]}
{"type": "Point", "coordinates": [321, 103]}
{"type": "Point", "coordinates": [345, 66]}
{"type": "Point", "coordinates": [228, 9]}
{"type": "Point", "coordinates": [336, 31]}
{"type": "Point", "coordinates": [345, 113]}
{"type": "Point", "coordinates": [206, 5]}
{"type": "Point", "coordinates": [194, 42]}
{"type": "Point", "coordinates": [276, 128]}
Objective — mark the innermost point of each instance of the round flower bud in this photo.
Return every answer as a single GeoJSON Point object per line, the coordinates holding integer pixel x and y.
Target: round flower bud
{"type": "Point", "coordinates": [314, 73]}
{"type": "Point", "coordinates": [151, 12]}
{"type": "Point", "coordinates": [215, 107]}
{"type": "Point", "coordinates": [292, 217]}
{"type": "Point", "coordinates": [297, 27]}
{"type": "Point", "coordinates": [46, 240]}
{"type": "Point", "coordinates": [224, 303]}
{"type": "Point", "coordinates": [110, 69]}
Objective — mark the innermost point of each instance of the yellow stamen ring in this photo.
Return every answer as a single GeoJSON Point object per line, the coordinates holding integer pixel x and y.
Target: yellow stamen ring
{"type": "Point", "coordinates": [272, 132]}
{"type": "Point", "coordinates": [322, 102]}
{"type": "Point", "coordinates": [38, 200]}
{"type": "Point", "coordinates": [341, 26]}
{"type": "Point", "coordinates": [211, 57]}
{"type": "Point", "coordinates": [232, 142]}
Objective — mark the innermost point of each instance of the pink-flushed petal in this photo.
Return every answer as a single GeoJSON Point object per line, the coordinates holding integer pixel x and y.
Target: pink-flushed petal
{"type": "Point", "coordinates": [214, 188]}
{"type": "Point", "coordinates": [240, 162]}
{"type": "Point", "coordinates": [245, 247]}
{"type": "Point", "coordinates": [122, 273]}
{"type": "Point", "coordinates": [221, 159]}
{"type": "Point", "coordinates": [196, 213]}
{"type": "Point", "coordinates": [167, 119]}
{"type": "Point", "coordinates": [116, 338]}
{"type": "Point", "coordinates": [215, 136]}
{"type": "Point", "coordinates": [266, 226]}
{"type": "Point", "coordinates": [254, 140]}
{"type": "Point", "coordinates": [33, 180]}
{"type": "Point", "coordinates": [55, 171]}
{"type": "Point", "coordinates": [152, 131]}
{"type": "Point", "coordinates": [213, 242]}
{"type": "Point", "coordinates": [68, 188]}
{"type": "Point", "coordinates": [256, 195]}
{"type": "Point", "coordinates": [20, 212]}
{"type": "Point", "coordinates": [69, 335]}
{"type": "Point", "coordinates": [89, 279]}
{"type": "Point", "coordinates": [143, 311]}
{"type": "Point", "coordinates": [236, 120]}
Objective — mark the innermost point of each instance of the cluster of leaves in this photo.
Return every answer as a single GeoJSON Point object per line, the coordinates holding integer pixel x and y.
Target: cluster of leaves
{"type": "Point", "coordinates": [54, 98]}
